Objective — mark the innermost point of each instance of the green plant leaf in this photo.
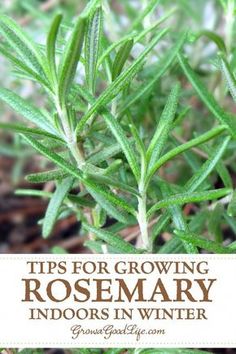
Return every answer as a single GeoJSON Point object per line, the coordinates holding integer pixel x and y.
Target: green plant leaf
{"type": "Point", "coordinates": [120, 136]}
{"type": "Point", "coordinates": [214, 37]}
{"type": "Point", "coordinates": [151, 5]}
{"type": "Point", "coordinates": [177, 216]}
{"type": "Point", "coordinates": [119, 83]}
{"type": "Point", "coordinates": [121, 57]}
{"type": "Point", "coordinates": [186, 146]}
{"type": "Point", "coordinates": [224, 175]}
{"type": "Point", "coordinates": [138, 141]}
{"type": "Point", "coordinates": [75, 199]}
{"type": "Point", "coordinates": [92, 47]}
{"type": "Point", "coordinates": [164, 126]}
{"type": "Point", "coordinates": [105, 154]}
{"type": "Point", "coordinates": [111, 239]}
{"type": "Point", "coordinates": [206, 168]}
{"type": "Point", "coordinates": [201, 242]}
{"type": "Point", "coordinates": [114, 205]}
{"type": "Point", "coordinates": [51, 46]}
{"type": "Point", "coordinates": [54, 205]}
{"type": "Point", "coordinates": [162, 66]}
{"type": "Point", "coordinates": [192, 184]}
{"type": "Point", "coordinates": [214, 222]}
{"type": "Point", "coordinates": [47, 176]}
{"type": "Point", "coordinates": [20, 65]}
{"type": "Point", "coordinates": [207, 97]}
{"type": "Point", "coordinates": [52, 156]}
{"type": "Point", "coordinates": [102, 179]}
{"type": "Point", "coordinates": [228, 75]}
{"type": "Point", "coordinates": [193, 197]}
{"type": "Point", "coordinates": [24, 108]}
{"type": "Point", "coordinates": [22, 44]}
{"type": "Point", "coordinates": [70, 59]}
{"type": "Point", "coordinates": [31, 131]}
{"type": "Point", "coordinates": [231, 210]}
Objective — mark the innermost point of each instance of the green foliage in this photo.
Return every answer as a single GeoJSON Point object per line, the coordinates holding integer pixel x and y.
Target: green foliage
{"type": "Point", "coordinates": [206, 97]}
{"type": "Point", "coordinates": [132, 117]}
{"type": "Point", "coordinates": [115, 121]}
{"type": "Point", "coordinates": [56, 201]}
{"type": "Point", "coordinates": [70, 59]}
{"type": "Point", "coordinates": [92, 47]}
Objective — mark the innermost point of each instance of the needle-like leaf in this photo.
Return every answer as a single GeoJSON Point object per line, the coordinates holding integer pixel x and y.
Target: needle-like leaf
{"type": "Point", "coordinates": [31, 131]}
{"type": "Point", "coordinates": [193, 197]}
{"type": "Point", "coordinates": [206, 168]}
{"type": "Point", "coordinates": [70, 58]}
{"type": "Point", "coordinates": [201, 242]}
{"type": "Point", "coordinates": [186, 146]}
{"type": "Point", "coordinates": [164, 126]}
{"type": "Point", "coordinates": [177, 216]}
{"type": "Point", "coordinates": [214, 37]}
{"type": "Point", "coordinates": [207, 97]}
{"type": "Point", "coordinates": [22, 44]}
{"type": "Point", "coordinates": [92, 47]}
{"type": "Point", "coordinates": [111, 239]}
{"type": "Point", "coordinates": [228, 75]}
{"type": "Point", "coordinates": [113, 204]}
{"type": "Point", "coordinates": [42, 177]}
{"type": "Point", "coordinates": [25, 109]}
{"type": "Point", "coordinates": [162, 66]}
{"type": "Point", "coordinates": [51, 46]}
{"type": "Point", "coordinates": [119, 83]}
{"type": "Point", "coordinates": [20, 65]}
{"type": "Point", "coordinates": [151, 5]}
{"type": "Point", "coordinates": [54, 205]}
{"type": "Point", "coordinates": [121, 57]}
{"type": "Point", "coordinates": [120, 136]}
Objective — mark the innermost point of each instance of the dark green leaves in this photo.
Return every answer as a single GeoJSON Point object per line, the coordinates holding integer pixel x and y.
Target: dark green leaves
{"type": "Point", "coordinates": [109, 134]}
{"type": "Point", "coordinates": [121, 57]}
{"type": "Point", "coordinates": [228, 75]}
{"type": "Point", "coordinates": [31, 131]}
{"type": "Point", "coordinates": [111, 239]}
{"type": "Point", "coordinates": [162, 66]}
{"type": "Point", "coordinates": [47, 176]}
{"type": "Point", "coordinates": [203, 243]}
{"type": "Point", "coordinates": [194, 197]}
{"type": "Point", "coordinates": [180, 149]}
{"type": "Point", "coordinates": [51, 46]}
{"type": "Point", "coordinates": [119, 83]}
{"type": "Point", "coordinates": [26, 110]}
{"type": "Point", "coordinates": [55, 203]}
{"type": "Point", "coordinates": [214, 37]}
{"type": "Point", "coordinates": [120, 136]}
{"type": "Point", "coordinates": [207, 97]}
{"type": "Point", "coordinates": [92, 46]}
{"type": "Point", "coordinates": [113, 204]}
{"type": "Point", "coordinates": [207, 167]}
{"type": "Point", "coordinates": [164, 127]}
{"type": "Point", "coordinates": [70, 58]}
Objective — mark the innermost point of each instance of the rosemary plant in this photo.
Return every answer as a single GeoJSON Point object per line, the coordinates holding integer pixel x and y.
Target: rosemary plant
{"type": "Point", "coordinates": [110, 139]}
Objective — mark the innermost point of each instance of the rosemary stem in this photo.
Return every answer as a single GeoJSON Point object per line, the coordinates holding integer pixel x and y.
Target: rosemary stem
{"type": "Point", "coordinates": [142, 220]}
{"type": "Point", "coordinates": [142, 207]}
{"type": "Point", "coordinates": [69, 135]}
